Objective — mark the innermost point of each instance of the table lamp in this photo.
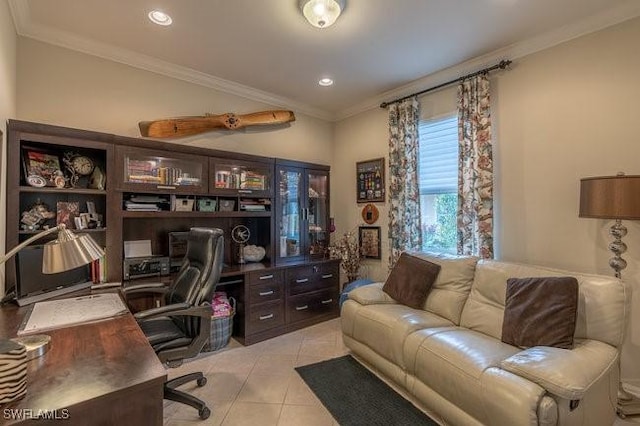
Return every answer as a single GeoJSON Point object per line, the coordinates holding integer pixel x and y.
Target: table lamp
{"type": "Point", "coordinates": [67, 252]}
{"type": "Point", "coordinates": [614, 197]}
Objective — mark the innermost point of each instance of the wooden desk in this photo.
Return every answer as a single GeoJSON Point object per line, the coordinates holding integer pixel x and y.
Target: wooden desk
{"type": "Point", "coordinates": [104, 373]}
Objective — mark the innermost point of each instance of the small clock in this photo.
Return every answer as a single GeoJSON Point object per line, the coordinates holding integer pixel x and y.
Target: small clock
{"type": "Point", "coordinates": [77, 165]}
{"type": "Point", "coordinates": [82, 165]}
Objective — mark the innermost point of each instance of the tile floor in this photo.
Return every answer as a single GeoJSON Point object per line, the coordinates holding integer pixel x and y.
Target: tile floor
{"type": "Point", "coordinates": [257, 384]}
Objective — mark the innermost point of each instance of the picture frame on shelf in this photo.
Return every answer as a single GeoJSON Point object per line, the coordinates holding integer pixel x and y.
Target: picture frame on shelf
{"type": "Point", "coordinates": [369, 242]}
{"type": "Point", "coordinates": [41, 167]}
{"type": "Point", "coordinates": [370, 183]}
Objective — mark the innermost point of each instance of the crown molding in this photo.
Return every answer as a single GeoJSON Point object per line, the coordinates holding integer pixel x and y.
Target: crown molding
{"type": "Point", "coordinates": [623, 12]}
{"type": "Point", "coordinates": [27, 28]}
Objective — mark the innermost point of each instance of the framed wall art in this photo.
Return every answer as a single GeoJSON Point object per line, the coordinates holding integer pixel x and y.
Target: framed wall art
{"type": "Point", "coordinates": [370, 185]}
{"type": "Point", "coordinates": [369, 242]}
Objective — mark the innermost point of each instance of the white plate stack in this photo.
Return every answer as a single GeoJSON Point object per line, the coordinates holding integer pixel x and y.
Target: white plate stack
{"type": "Point", "coordinates": [13, 371]}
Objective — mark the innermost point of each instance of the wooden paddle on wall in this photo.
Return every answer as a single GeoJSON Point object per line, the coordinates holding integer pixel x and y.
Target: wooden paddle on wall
{"type": "Point", "coordinates": [187, 126]}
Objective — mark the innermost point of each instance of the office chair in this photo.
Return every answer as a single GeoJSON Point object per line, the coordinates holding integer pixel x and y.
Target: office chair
{"type": "Point", "coordinates": [181, 328]}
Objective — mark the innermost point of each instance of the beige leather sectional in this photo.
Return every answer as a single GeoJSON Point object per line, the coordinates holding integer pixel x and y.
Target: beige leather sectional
{"type": "Point", "coordinates": [449, 359]}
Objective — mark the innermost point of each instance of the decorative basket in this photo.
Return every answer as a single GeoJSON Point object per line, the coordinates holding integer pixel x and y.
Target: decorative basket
{"type": "Point", "coordinates": [221, 330]}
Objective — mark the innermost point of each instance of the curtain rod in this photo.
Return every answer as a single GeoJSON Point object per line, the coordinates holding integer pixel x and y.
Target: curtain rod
{"type": "Point", "coordinates": [502, 65]}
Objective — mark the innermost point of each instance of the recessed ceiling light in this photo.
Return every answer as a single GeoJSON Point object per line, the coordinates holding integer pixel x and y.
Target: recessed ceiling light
{"type": "Point", "coordinates": [325, 82]}
{"type": "Point", "coordinates": [160, 18]}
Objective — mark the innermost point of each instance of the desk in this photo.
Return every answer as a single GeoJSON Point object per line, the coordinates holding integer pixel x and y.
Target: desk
{"type": "Point", "coordinates": [104, 373]}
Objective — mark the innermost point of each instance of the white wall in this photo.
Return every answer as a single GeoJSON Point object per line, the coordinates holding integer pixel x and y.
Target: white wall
{"type": "Point", "coordinates": [559, 115]}
{"type": "Point", "coordinates": [8, 41]}
{"type": "Point", "coordinates": [68, 88]}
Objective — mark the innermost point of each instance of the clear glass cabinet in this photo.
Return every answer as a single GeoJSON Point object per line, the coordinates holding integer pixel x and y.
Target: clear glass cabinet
{"type": "Point", "coordinates": [232, 177]}
{"type": "Point", "coordinates": [153, 170]}
{"type": "Point", "coordinates": [302, 213]}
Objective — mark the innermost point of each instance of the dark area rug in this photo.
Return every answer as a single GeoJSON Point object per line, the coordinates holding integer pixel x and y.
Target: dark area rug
{"type": "Point", "coordinates": [355, 396]}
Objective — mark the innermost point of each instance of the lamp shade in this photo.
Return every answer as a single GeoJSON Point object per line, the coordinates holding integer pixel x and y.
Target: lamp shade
{"type": "Point", "coordinates": [610, 197]}
{"type": "Point", "coordinates": [69, 251]}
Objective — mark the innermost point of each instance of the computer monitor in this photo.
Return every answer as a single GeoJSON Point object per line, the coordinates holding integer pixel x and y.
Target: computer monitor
{"type": "Point", "coordinates": [33, 286]}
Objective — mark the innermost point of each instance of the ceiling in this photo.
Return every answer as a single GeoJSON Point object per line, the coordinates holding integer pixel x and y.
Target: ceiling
{"type": "Point", "coordinates": [267, 51]}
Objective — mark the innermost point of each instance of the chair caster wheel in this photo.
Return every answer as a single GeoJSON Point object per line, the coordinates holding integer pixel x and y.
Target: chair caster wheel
{"type": "Point", "coordinates": [201, 382]}
{"type": "Point", "coordinates": [204, 413]}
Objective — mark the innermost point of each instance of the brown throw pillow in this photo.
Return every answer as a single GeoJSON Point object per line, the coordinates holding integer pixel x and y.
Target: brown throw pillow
{"type": "Point", "coordinates": [540, 312]}
{"type": "Point", "coordinates": [410, 280]}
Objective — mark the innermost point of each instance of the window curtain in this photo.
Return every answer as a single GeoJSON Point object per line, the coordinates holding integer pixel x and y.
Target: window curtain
{"type": "Point", "coordinates": [475, 173]}
{"type": "Point", "coordinates": [404, 194]}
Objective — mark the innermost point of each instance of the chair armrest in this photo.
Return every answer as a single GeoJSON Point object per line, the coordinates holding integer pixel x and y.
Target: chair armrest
{"type": "Point", "coordinates": [568, 373]}
{"type": "Point", "coordinates": [172, 310]}
{"type": "Point", "coordinates": [371, 294]}
{"type": "Point", "coordinates": [153, 288]}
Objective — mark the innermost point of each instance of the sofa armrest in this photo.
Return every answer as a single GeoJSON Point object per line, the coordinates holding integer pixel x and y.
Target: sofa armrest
{"type": "Point", "coordinates": [567, 373]}
{"type": "Point", "coordinates": [371, 294]}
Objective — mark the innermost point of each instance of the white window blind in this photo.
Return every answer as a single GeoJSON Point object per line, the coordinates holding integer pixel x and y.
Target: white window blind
{"type": "Point", "coordinates": [438, 156]}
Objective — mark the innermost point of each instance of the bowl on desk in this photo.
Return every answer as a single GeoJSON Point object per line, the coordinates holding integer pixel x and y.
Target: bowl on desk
{"type": "Point", "coordinates": [253, 253]}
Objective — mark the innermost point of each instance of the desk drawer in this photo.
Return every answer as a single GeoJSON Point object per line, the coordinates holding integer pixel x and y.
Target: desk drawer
{"type": "Point", "coordinates": [266, 316]}
{"type": "Point", "coordinates": [264, 277]}
{"type": "Point", "coordinates": [311, 278]}
{"type": "Point", "coordinates": [310, 305]}
{"type": "Point", "coordinates": [265, 292]}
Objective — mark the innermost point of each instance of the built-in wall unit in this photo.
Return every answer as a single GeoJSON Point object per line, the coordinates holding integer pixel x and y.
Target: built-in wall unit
{"type": "Point", "coordinates": [137, 195]}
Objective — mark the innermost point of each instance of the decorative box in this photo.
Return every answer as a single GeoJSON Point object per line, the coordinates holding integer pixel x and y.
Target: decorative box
{"type": "Point", "coordinates": [226, 205]}
{"type": "Point", "coordinates": [182, 204]}
{"type": "Point", "coordinates": [206, 205]}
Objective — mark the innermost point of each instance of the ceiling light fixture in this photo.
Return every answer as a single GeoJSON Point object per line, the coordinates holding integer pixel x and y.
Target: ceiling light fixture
{"type": "Point", "coordinates": [160, 18]}
{"type": "Point", "coordinates": [321, 13]}
{"type": "Point", "coordinates": [325, 82]}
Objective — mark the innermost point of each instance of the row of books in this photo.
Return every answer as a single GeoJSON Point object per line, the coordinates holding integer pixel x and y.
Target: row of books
{"type": "Point", "coordinates": [241, 180]}
{"type": "Point", "coordinates": [99, 270]}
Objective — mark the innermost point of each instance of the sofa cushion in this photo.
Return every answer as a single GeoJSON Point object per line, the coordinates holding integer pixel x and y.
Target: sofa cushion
{"type": "Point", "coordinates": [451, 289]}
{"type": "Point", "coordinates": [453, 363]}
{"type": "Point", "coordinates": [603, 302]}
{"type": "Point", "coordinates": [410, 280]}
{"type": "Point", "coordinates": [384, 328]}
{"type": "Point", "coordinates": [540, 311]}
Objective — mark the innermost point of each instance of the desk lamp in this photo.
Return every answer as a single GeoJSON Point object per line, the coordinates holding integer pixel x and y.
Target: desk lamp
{"type": "Point", "coordinates": [614, 197]}
{"type": "Point", "coordinates": [67, 252]}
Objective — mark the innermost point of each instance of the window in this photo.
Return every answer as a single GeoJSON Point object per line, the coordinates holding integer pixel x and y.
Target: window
{"type": "Point", "coordinates": [438, 180]}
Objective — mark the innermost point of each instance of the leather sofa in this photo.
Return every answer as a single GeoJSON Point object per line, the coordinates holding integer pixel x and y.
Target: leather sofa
{"type": "Point", "coordinates": [448, 357]}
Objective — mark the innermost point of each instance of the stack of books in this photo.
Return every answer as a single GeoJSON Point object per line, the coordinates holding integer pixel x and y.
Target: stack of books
{"type": "Point", "coordinates": [255, 204]}
{"type": "Point", "coordinates": [251, 180]}
{"type": "Point", "coordinates": [144, 203]}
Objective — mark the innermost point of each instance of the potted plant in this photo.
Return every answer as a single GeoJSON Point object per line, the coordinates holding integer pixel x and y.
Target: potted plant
{"type": "Point", "coordinates": [346, 249]}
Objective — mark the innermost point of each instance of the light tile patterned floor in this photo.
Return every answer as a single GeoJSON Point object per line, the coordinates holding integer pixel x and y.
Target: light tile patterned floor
{"type": "Point", "coordinates": [257, 384]}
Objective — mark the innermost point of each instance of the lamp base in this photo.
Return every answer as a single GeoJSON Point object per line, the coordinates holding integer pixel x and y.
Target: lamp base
{"type": "Point", "coordinates": [628, 404]}
{"type": "Point", "coordinates": [36, 344]}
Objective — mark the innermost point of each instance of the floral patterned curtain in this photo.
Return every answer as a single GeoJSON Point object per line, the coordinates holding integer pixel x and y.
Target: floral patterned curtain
{"type": "Point", "coordinates": [404, 194]}
{"type": "Point", "coordinates": [475, 174]}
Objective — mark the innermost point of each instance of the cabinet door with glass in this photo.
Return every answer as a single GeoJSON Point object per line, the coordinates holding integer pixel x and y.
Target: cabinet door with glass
{"type": "Point", "coordinates": [140, 169]}
{"type": "Point", "coordinates": [289, 213]}
{"type": "Point", "coordinates": [316, 212]}
{"type": "Point", "coordinates": [240, 178]}
{"type": "Point", "coordinates": [302, 213]}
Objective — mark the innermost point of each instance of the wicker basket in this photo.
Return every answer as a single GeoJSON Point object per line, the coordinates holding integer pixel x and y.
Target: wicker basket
{"type": "Point", "coordinates": [221, 330]}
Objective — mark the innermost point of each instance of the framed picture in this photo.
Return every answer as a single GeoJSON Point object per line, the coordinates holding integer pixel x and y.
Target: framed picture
{"type": "Point", "coordinates": [41, 167]}
{"type": "Point", "coordinates": [370, 181]}
{"type": "Point", "coordinates": [369, 242]}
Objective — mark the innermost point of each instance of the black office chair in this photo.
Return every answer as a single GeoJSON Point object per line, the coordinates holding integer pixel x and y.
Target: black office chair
{"type": "Point", "coordinates": [181, 328]}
